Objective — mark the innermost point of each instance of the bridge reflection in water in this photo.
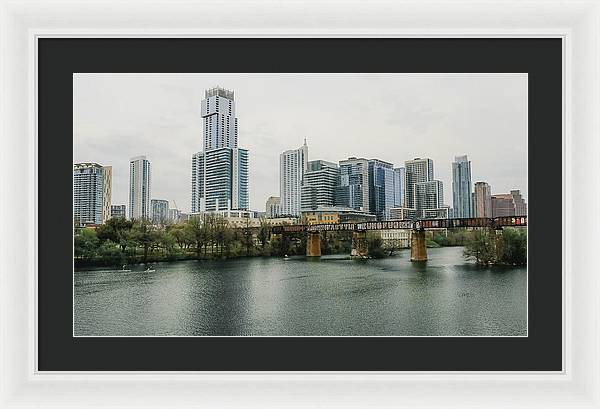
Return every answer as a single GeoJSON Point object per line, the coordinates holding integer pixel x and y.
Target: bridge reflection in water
{"type": "Point", "coordinates": [418, 250]}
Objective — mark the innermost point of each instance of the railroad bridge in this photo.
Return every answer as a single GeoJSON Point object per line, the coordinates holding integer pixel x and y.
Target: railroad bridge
{"type": "Point", "coordinates": [418, 250]}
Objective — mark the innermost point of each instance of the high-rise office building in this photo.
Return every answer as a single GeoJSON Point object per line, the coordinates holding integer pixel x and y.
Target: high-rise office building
{"type": "Point", "coordinates": [381, 188]}
{"type": "Point", "coordinates": [353, 188]}
{"type": "Point", "coordinates": [273, 207]}
{"type": "Point", "coordinates": [429, 195]}
{"type": "Point", "coordinates": [482, 200]}
{"type": "Point", "coordinates": [292, 165]}
{"type": "Point", "coordinates": [220, 171]}
{"type": "Point", "coordinates": [423, 194]}
{"type": "Point", "coordinates": [399, 181]}
{"type": "Point", "coordinates": [220, 123]}
{"type": "Point", "coordinates": [92, 191]}
{"type": "Point", "coordinates": [461, 187]}
{"type": "Point", "coordinates": [318, 185]}
{"type": "Point", "coordinates": [160, 211]}
{"type": "Point", "coordinates": [118, 212]}
{"type": "Point", "coordinates": [139, 187]}
{"type": "Point", "coordinates": [416, 171]}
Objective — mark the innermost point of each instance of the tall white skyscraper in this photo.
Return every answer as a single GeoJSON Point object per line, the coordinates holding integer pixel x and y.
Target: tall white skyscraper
{"type": "Point", "coordinates": [220, 123]}
{"type": "Point", "coordinates": [292, 166]}
{"type": "Point", "coordinates": [139, 187]}
{"type": "Point", "coordinates": [220, 172]}
{"type": "Point", "coordinates": [92, 190]}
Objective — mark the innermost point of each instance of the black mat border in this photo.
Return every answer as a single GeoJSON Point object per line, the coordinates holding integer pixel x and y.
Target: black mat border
{"type": "Point", "coordinates": [59, 58]}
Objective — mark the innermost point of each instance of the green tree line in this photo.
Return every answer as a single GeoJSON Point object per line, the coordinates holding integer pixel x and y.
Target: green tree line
{"type": "Point", "coordinates": [119, 241]}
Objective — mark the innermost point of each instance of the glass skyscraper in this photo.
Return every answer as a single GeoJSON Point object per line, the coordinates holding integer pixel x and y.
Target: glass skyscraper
{"type": "Point", "coordinates": [353, 189]}
{"type": "Point", "coordinates": [381, 188]}
{"type": "Point", "coordinates": [461, 187]}
{"type": "Point", "coordinates": [220, 172]}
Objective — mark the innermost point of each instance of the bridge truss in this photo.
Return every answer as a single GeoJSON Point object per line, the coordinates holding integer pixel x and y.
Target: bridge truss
{"type": "Point", "coordinates": [497, 222]}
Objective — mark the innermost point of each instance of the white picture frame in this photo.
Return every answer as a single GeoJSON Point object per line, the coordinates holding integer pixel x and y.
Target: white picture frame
{"type": "Point", "coordinates": [23, 22]}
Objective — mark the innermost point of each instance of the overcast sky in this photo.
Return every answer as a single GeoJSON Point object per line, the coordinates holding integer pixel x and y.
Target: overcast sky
{"type": "Point", "coordinates": [393, 117]}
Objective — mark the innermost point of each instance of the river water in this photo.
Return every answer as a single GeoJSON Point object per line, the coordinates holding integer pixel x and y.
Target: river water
{"type": "Point", "coordinates": [330, 296]}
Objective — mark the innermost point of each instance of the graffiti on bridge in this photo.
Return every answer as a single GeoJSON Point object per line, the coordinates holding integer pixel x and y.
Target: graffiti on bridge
{"type": "Point", "coordinates": [406, 224]}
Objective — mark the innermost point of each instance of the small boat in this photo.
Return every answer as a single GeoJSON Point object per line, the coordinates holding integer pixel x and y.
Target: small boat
{"type": "Point", "coordinates": [285, 257]}
{"type": "Point", "coordinates": [149, 271]}
{"type": "Point", "coordinates": [124, 269]}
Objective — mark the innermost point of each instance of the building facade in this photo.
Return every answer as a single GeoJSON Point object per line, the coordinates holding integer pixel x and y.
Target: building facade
{"type": "Point", "coordinates": [461, 187]}
{"type": "Point", "coordinates": [118, 212]}
{"type": "Point", "coordinates": [160, 211]}
{"type": "Point", "coordinates": [482, 200]}
{"type": "Point", "coordinates": [220, 122]}
{"type": "Point", "coordinates": [273, 207]}
{"type": "Point", "coordinates": [509, 204]}
{"type": "Point", "coordinates": [334, 215]}
{"type": "Point", "coordinates": [424, 196]}
{"type": "Point", "coordinates": [92, 191]}
{"type": "Point", "coordinates": [174, 215]}
{"type": "Point", "coordinates": [503, 205]}
{"type": "Point", "coordinates": [429, 195]}
{"type": "Point", "coordinates": [417, 170]}
{"type": "Point", "coordinates": [292, 166]}
{"type": "Point", "coordinates": [106, 192]}
{"type": "Point", "coordinates": [353, 188]}
{"type": "Point", "coordinates": [139, 187]}
{"type": "Point", "coordinates": [399, 181]}
{"type": "Point", "coordinates": [381, 188]}
{"type": "Point", "coordinates": [318, 184]}
{"type": "Point", "coordinates": [403, 213]}
{"type": "Point", "coordinates": [220, 173]}
{"type": "Point", "coordinates": [520, 205]}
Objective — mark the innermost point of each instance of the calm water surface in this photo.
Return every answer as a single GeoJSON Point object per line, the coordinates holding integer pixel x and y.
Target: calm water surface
{"type": "Point", "coordinates": [331, 296]}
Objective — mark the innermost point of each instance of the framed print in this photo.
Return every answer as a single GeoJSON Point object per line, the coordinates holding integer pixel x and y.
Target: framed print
{"type": "Point", "coordinates": [292, 212]}
{"type": "Point", "coordinates": [319, 274]}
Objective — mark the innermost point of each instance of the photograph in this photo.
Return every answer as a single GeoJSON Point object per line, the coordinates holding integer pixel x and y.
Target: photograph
{"type": "Point", "coordinates": [300, 205]}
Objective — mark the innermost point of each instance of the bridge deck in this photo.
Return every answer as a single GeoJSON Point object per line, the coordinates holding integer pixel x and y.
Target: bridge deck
{"type": "Point", "coordinates": [406, 224]}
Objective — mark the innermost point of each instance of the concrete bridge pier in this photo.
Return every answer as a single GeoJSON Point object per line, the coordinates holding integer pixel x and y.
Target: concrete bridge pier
{"type": "Point", "coordinates": [313, 244]}
{"type": "Point", "coordinates": [360, 247]}
{"type": "Point", "coordinates": [418, 250]}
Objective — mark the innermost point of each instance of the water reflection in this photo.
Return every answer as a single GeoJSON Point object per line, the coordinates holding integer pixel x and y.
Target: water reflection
{"type": "Point", "coordinates": [330, 296]}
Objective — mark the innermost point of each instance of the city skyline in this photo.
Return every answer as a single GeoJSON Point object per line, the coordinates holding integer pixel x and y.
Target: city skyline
{"type": "Point", "coordinates": [499, 159]}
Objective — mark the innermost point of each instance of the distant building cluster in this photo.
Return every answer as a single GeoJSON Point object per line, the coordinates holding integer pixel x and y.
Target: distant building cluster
{"type": "Point", "coordinates": [315, 191]}
{"type": "Point", "coordinates": [323, 192]}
